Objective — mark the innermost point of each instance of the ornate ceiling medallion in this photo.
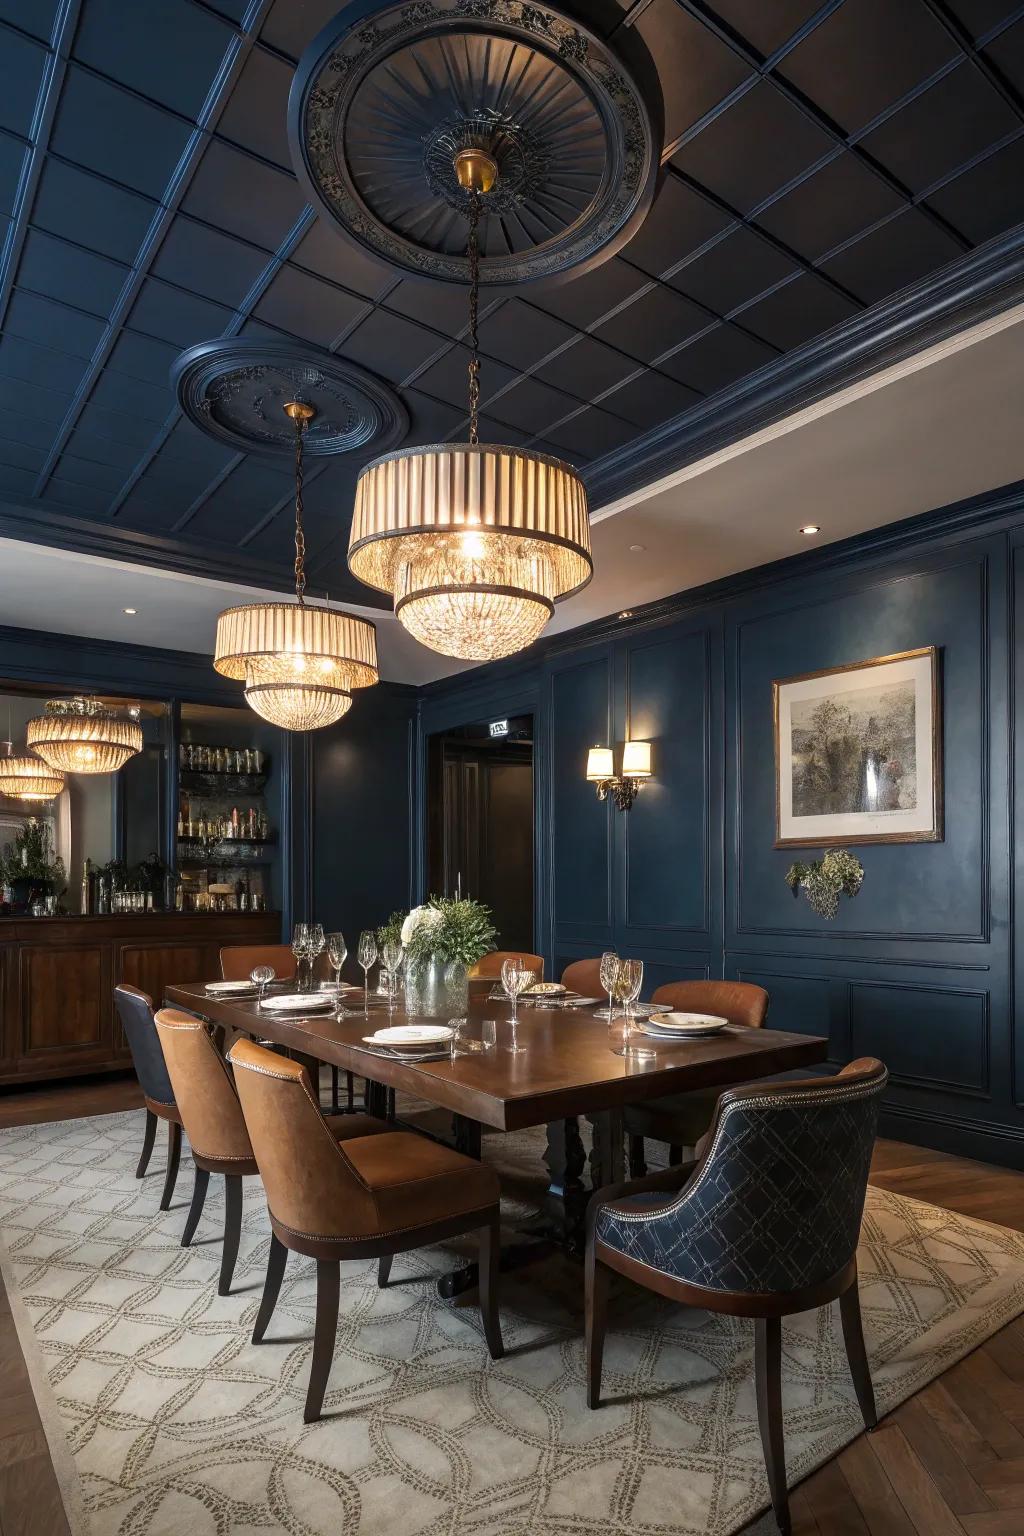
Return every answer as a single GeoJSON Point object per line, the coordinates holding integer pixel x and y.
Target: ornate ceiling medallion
{"type": "Point", "coordinates": [235, 390]}
{"type": "Point", "coordinates": [389, 92]}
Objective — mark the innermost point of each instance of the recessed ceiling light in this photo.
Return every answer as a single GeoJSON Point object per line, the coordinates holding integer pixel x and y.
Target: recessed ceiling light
{"type": "Point", "coordinates": [809, 528]}
{"type": "Point", "coordinates": [627, 613]}
{"type": "Point", "coordinates": [637, 549]}
{"type": "Point", "coordinates": [129, 610]}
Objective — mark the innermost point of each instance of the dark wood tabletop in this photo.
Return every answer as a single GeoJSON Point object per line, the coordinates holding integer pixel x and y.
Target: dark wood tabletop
{"type": "Point", "coordinates": [568, 1067]}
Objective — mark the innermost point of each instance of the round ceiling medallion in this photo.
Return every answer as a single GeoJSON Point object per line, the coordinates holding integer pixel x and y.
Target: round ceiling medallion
{"type": "Point", "coordinates": [235, 390]}
{"type": "Point", "coordinates": [389, 93]}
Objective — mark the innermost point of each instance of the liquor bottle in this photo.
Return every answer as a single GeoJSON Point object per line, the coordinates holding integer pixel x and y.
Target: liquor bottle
{"type": "Point", "coordinates": [88, 887]}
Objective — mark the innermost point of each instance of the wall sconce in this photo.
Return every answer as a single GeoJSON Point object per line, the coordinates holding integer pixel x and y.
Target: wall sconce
{"type": "Point", "coordinates": [625, 786]}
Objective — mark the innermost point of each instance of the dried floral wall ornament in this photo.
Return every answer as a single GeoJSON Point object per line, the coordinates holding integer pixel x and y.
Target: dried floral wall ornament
{"type": "Point", "coordinates": [837, 873]}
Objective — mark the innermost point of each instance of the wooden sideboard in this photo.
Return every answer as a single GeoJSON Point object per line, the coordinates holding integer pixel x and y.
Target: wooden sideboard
{"type": "Point", "coordinates": [57, 976]}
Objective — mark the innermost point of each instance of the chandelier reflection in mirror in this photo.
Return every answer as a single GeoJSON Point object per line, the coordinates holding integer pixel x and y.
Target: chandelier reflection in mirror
{"type": "Point", "coordinates": [83, 735]}
{"type": "Point", "coordinates": [299, 662]}
{"type": "Point", "coordinates": [474, 542]}
{"type": "Point", "coordinates": [28, 778]}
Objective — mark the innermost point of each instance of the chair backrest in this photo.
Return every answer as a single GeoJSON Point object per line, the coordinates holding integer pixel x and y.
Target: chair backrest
{"type": "Point", "coordinates": [775, 1205]}
{"type": "Point", "coordinates": [237, 961]}
{"type": "Point", "coordinates": [490, 966]}
{"type": "Point", "coordinates": [203, 1088]}
{"type": "Point", "coordinates": [738, 1001]}
{"type": "Point", "coordinates": [312, 1189]}
{"type": "Point", "coordinates": [584, 977]}
{"type": "Point", "coordinates": [135, 1010]}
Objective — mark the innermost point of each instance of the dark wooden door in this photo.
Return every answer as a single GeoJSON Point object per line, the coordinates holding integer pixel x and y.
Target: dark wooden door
{"type": "Point", "coordinates": [482, 830]}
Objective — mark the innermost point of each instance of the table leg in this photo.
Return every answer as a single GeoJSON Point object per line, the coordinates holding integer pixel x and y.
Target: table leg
{"type": "Point", "coordinates": [467, 1136]}
{"type": "Point", "coordinates": [607, 1156]}
{"type": "Point", "coordinates": [566, 1159]}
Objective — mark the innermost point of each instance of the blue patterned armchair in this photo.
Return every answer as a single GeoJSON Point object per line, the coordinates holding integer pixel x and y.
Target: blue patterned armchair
{"type": "Point", "coordinates": [135, 1011]}
{"type": "Point", "coordinates": [766, 1224]}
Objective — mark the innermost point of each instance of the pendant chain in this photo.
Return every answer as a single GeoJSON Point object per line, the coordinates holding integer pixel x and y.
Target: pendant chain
{"type": "Point", "coordinates": [474, 313]}
{"type": "Point", "coordinates": [300, 536]}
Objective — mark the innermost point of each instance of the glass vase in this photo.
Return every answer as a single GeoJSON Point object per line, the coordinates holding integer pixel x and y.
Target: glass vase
{"type": "Point", "coordinates": [435, 989]}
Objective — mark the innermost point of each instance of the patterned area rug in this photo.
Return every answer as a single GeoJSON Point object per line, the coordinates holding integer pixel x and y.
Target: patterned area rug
{"type": "Point", "coordinates": [163, 1417]}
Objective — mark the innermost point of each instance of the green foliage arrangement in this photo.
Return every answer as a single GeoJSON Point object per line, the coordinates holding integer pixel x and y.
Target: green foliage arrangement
{"type": "Point", "coordinates": [392, 929]}
{"type": "Point", "coordinates": [448, 929]}
{"type": "Point", "coordinates": [837, 873]}
{"type": "Point", "coordinates": [30, 857]}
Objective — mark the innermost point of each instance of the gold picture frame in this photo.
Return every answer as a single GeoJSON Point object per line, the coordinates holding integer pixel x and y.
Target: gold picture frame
{"type": "Point", "coordinates": [828, 796]}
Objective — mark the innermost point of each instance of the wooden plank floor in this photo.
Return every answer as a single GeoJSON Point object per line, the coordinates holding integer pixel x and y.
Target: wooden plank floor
{"type": "Point", "coordinates": [950, 1462]}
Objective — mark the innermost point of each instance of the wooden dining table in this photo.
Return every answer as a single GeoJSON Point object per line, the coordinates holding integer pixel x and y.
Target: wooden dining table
{"type": "Point", "coordinates": [572, 1066]}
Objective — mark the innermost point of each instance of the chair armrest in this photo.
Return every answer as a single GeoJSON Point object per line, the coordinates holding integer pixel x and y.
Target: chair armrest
{"type": "Point", "coordinates": [666, 1180]}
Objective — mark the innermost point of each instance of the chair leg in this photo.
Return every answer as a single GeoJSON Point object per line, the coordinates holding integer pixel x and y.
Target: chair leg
{"type": "Point", "coordinates": [173, 1159]}
{"type": "Point", "coordinates": [489, 1264]}
{"type": "Point", "coordinates": [856, 1354]}
{"type": "Point", "coordinates": [232, 1230]}
{"type": "Point", "coordinates": [276, 1261]}
{"type": "Point", "coordinates": [597, 1277]}
{"type": "Point", "coordinates": [328, 1288]}
{"type": "Point", "coordinates": [390, 1111]}
{"type": "Point", "coordinates": [195, 1210]}
{"type": "Point", "coordinates": [768, 1381]}
{"type": "Point", "coordinates": [350, 1084]}
{"type": "Point", "coordinates": [148, 1138]}
{"type": "Point", "coordinates": [675, 1156]}
{"type": "Point", "coordinates": [335, 1100]}
{"type": "Point", "coordinates": [384, 1264]}
{"type": "Point", "coordinates": [637, 1157]}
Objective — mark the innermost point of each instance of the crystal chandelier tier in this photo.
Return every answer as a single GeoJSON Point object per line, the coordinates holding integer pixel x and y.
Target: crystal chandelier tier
{"type": "Point", "coordinates": [29, 778]}
{"type": "Point", "coordinates": [83, 735]}
{"type": "Point", "coordinates": [474, 542]}
{"type": "Point", "coordinates": [300, 663]}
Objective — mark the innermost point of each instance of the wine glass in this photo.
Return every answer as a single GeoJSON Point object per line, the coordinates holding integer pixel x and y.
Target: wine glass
{"type": "Point", "coordinates": [393, 955]}
{"type": "Point", "coordinates": [337, 954]}
{"type": "Point", "coordinates": [627, 987]}
{"type": "Point", "coordinates": [261, 976]}
{"type": "Point", "coordinates": [300, 938]}
{"type": "Point", "coordinates": [609, 971]}
{"type": "Point", "coordinates": [315, 942]}
{"type": "Point", "coordinates": [515, 979]}
{"type": "Point", "coordinates": [367, 956]}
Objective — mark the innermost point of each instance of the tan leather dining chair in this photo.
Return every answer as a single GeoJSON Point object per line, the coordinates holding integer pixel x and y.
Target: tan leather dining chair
{"type": "Point", "coordinates": [368, 1197]}
{"type": "Point", "coordinates": [583, 976]}
{"type": "Point", "coordinates": [489, 968]}
{"type": "Point", "coordinates": [237, 961]}
{"type": "Point", "coordinates": [681, 1119]}
{"type": "Point", "coordinates": [204, 1091]}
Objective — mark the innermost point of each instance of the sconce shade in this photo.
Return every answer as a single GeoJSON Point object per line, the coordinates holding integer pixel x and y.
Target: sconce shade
{"type": "Point", "coordinates": [636, 760]}
{"type": "Point", "coordinates": [599, 764]}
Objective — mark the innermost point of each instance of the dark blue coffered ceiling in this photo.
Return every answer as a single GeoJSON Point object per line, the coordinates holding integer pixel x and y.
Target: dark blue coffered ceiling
{"type": "Point", "coordinates": [818, 158]}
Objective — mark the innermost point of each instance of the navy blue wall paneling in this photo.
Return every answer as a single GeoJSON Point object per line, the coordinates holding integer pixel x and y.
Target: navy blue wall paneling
{"type": "Point", "coordinates": [918, 967]}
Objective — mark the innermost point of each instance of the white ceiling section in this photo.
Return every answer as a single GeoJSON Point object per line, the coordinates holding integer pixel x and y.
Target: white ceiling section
{"type": "Point", "coordinates": [944, 426]}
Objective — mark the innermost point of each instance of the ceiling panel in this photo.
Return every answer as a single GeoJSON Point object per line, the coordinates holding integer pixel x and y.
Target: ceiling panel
{"type": "Point", "coordinates": [819, 159]}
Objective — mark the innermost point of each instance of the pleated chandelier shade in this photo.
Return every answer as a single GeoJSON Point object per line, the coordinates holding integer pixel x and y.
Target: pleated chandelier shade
{"type": "Point", "coordinates": [29, 778]}
{"type": "Point", "coordinates": [300, 663]}
{"type": "Point", "coordinates": [83, 736]}
{"type": "Point", "coordinates": [474, 542]}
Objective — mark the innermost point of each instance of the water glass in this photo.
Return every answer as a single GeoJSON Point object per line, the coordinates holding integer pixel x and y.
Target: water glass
{"type": "Point", "coordinates": [489, 1034]}
{"type": "Point", "coordinates": [457, 1026]}
{"type": "Point", "coordinates": [261, 976]}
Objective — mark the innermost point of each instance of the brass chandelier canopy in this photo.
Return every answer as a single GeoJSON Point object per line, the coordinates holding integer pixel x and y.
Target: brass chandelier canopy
{"type": "Point", "coordinates": [475, 542]}
{"type": "Point", "coordinates": [299, 662]}
{"type": "Point", "coordinates": [83, 735]}
{"type": "Point", "coordinates": [28, 778]}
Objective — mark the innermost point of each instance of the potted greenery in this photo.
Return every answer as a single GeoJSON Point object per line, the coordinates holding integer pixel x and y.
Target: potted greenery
{"type": "Point", "coordinates": [442, 939]}
{"type": "Point", "coordinates": [28, 866]}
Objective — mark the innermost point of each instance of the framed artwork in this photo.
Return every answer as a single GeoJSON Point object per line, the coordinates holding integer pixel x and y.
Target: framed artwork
{"type": "Point", "coordinates": [858, 753]}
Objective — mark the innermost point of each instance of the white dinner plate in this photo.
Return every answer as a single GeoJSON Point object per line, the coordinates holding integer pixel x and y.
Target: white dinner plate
{"type": "Point", "coordinates": [411, 1034]}
{"type": "Point", "coordinates": [667, 1020]}
{"type": "Point", "coordinates": [227, 987]}
{"type": "Point", "coordinates": [298, 1002]}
